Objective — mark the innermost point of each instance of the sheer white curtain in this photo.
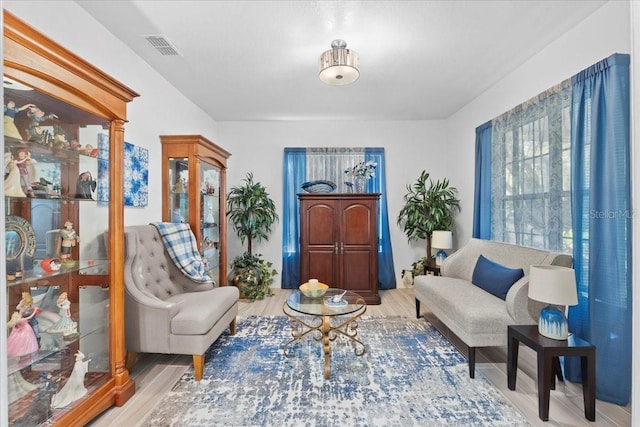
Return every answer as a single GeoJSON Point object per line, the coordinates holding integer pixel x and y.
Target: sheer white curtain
{"type": "Point", "coordinates": [530, 168]}
{"type": "Point", "coordinates": [330, 164]}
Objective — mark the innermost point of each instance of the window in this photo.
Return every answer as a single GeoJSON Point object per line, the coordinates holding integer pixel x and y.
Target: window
{"type": "Point", "coordinates": [531, 186]}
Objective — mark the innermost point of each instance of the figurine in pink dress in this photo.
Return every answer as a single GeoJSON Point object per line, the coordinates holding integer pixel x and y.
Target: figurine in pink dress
{"type": "Point", "coordinates": [21, 341]}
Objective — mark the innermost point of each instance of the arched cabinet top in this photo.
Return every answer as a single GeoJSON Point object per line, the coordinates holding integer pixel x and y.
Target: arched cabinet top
{"type": "Point", "coordinates": [35, 60]}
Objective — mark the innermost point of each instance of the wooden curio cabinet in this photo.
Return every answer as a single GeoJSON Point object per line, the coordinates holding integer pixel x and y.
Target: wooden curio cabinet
{"type": "Point", "coordinates": [63, 143]}
{"type": "Point", "coordinates": [194, 172]}
{"type": "Point", "coordinates": [339, 242]}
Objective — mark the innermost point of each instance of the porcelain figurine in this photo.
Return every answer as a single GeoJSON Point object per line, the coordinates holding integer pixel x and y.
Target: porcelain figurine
{"type": "Point", "coordinates": [26, 167]}
{"type": "Point", "coordinates": [10, 112]}
{"type": "Point", "coordinates": [35, 131]}
{"type": "Point", "coordinates": [66, 325]}
{"type": "Point", "coordinates": [85, 186]}
{"type": "Point", "coordinates": [12, 187]}
{"type": "Point", "coordinates": [27, 310]}
{"type": "Point", "coordinates": [74, 388]}
{"type": "Point", "coordinates": [21, 340]}
{"type": "Point", "coordinates": [67, 241]}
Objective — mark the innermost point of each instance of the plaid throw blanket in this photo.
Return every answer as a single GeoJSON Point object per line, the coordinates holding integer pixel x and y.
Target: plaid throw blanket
{"type": "Point", "coordinates": [183, 249]}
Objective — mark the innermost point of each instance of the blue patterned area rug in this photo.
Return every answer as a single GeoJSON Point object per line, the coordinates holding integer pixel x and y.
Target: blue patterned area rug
{"type": "Point", "coordinates": [410, 375]}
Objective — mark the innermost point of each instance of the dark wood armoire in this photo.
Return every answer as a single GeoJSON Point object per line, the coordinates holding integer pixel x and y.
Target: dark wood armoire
{"type": "Point", "coordinates": [339, 241]}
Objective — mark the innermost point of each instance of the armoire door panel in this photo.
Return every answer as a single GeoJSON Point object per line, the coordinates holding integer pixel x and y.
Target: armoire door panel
{"type": "Point", "coordinates": [321, 220]}
{"type": "Point", "coordinates": [321, 266]}
{"type": "Point", "coordinates": [356, 271]}
{"type": "Point", "coordinates": [357, 225]}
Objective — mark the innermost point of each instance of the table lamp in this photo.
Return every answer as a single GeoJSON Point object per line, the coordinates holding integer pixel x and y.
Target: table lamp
{"type": "Point", "coordinates": [441, 239]}
{"type": "Point", "coordinates": [555, 285]}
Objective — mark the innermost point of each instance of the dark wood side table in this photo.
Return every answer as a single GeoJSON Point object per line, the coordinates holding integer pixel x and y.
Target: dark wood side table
{"type": "Point", "coordinates": [548, 351]}
{"type": "Point", "coordinates": [432, 268]}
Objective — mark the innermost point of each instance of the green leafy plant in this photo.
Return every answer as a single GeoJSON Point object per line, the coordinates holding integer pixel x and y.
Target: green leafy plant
{"type": "Point", "coordinates": [253, 275]}
{"type": "Point", "coordinates": [252, 213]}
{"type": "Point", "coordinates": [429, 206]}
{"type": "Point", "coordinates": [417, 267]}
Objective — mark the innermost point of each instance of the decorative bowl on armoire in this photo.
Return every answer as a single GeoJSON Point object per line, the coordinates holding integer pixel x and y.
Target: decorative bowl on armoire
{"type": "Point", "coordinates": [319, 186]}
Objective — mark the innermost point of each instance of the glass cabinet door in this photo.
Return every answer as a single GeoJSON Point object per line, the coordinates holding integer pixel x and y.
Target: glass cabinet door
{"type": "Point", "coordinates": [178, 189]}
{"type": "Point", "coordinates": [210, 218]}
{"type": "Point", "coordinates": [56, 195]}
{"type": "Point", "coordinates": [194, 174]}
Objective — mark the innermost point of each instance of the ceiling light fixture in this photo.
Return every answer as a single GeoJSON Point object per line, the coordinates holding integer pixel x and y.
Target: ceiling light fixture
{"type": "Point", "coordinates": [339, 66]}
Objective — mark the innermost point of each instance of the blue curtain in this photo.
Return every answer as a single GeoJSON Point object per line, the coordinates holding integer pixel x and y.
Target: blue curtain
{"type": "Point", "coordinates": [482, 196]}
{"type": "Point", "coordinates": [386, 273]}
{"type": "Point", "coordinates": [294, 173]}
{"type": "Point", "coordinates": [601, 218]}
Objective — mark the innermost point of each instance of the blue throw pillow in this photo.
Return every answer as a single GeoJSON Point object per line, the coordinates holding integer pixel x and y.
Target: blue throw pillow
{"type": "Point", "coordinates": [495, 278]}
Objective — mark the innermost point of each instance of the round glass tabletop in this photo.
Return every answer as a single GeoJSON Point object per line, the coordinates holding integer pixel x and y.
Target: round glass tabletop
{"type": "Point", "coordinates": [325, 306]}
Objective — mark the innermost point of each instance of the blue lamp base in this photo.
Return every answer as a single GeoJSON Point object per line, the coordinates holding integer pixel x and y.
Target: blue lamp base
{"type": "Point", "coordinates": [440, 256]}
{"type": "Point", "coordinates": [553, 324]}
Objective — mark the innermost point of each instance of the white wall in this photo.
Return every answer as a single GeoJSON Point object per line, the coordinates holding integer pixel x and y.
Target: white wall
{"type": "Point", "coordinates": [410, 147]}
{"type": "Point", "coordinates": [160, 109]}
{"type": "Point", "coordinates": [444, 149]}
{"type": "Point", "coordinates": [605, 32]}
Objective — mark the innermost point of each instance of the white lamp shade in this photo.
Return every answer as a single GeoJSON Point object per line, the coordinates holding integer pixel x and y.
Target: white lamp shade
{"type": "Point", "coordinates": [553, 284]}
{"type": "Point", "coordinates": [441, 239]}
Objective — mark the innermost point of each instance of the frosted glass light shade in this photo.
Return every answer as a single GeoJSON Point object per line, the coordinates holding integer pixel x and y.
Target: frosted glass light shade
{"type": "Point", "coordinates": [339, 66]}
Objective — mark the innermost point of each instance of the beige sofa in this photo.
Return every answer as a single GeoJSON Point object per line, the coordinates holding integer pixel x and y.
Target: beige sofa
{"type": "Point", "coordinates": [475, 316]}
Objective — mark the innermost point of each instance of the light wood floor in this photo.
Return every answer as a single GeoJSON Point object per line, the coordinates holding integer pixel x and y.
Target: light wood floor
{"type": "Point", "coordinates": [156, 374]}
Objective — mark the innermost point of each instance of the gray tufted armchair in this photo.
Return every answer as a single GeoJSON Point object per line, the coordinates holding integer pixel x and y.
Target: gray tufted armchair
{"type": "Point", "coordinates": [165, 311]}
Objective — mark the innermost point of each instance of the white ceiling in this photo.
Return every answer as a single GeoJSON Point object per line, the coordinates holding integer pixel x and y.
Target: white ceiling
{"type": "Point", "coordinates": [258, 60]}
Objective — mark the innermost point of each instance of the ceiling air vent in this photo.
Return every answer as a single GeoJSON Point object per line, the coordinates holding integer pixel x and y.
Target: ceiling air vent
{"type": "Point", "coordinates": [163, 45]}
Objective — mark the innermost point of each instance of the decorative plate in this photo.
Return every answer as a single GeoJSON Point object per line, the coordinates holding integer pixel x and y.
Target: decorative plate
{"type": "Point", "coordinates": [320, 186]}
{"type": "Point", "coordinates": [20, 238]}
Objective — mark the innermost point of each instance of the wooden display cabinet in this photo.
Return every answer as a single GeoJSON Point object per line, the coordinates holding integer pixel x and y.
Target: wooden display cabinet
{"type": "Point", "coordinates": [339, 242]}
{"type": "Point", "coordinates": [194, 172]}
{"type": "Point", "coordinates": [80, 133]}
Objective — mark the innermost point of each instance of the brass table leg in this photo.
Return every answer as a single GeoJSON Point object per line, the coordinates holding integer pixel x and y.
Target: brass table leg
{"type": "Point", "coordinates": [326, 333]}
{"type": "Point", "coordinates": [326, 328]}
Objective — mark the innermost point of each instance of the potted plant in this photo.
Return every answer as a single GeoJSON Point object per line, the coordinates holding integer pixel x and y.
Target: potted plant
{"type": "Point", "coordinates": [428, 206]}
{"type": "Point", "coordinates": [252, 213]}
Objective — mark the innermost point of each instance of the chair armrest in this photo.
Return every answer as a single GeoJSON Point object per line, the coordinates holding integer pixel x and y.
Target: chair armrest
{"type": "Point", "coordinates": [148, 322]}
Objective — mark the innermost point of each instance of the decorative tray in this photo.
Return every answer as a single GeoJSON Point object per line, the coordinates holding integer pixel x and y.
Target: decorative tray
{"type": "Point", "coordinates": [320, 186]}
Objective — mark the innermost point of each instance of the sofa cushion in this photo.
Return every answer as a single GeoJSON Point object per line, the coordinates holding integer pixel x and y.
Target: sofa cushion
{"type": "Point", "coordinates": [199, 311]}
{"type": "Point", "coordinates": [471, 313]}
{"type": "Point", "coordinates": [495, 278]}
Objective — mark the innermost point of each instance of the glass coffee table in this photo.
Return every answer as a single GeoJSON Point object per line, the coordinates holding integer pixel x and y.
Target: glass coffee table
{"type": "Point", "coordinates": [326, 320]}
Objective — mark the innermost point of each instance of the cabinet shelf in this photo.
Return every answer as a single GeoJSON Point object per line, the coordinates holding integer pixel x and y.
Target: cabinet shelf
{"type": "Point", "coordinates": [30, 277]}
{"type": "Point", "coordinates": [47, 152]}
